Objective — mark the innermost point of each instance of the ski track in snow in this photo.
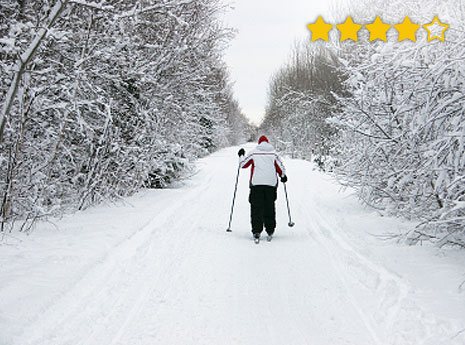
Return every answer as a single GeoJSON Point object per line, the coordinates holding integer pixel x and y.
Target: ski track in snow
{"type": "Point", "coordinates": [179, 278]}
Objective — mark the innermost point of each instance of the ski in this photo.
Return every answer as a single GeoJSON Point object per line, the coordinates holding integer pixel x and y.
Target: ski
{"type": "Point", "coordinates": [256, 240]}
{"type": "Point", "coordinates": [269, 238]}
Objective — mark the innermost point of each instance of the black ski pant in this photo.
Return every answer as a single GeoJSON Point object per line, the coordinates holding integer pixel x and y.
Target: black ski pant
{"type": "Point", "coordinates": [262, 208]}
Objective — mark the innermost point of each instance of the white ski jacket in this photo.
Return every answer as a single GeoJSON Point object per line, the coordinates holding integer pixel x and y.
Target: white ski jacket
{"type": "Point", "coordinates": [265, 164]}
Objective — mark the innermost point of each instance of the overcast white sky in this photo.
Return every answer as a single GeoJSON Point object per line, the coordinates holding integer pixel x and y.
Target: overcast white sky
{"type": "Point", "coordinates": [267, 30]}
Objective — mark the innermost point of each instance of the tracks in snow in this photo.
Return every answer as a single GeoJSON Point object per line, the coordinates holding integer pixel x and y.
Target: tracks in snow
{"type": "Point", "coordinates": [181, 279]}
{"type": "Point", "coordinates": [380, 296]}
{"type": "Point", "coordinates": [111, 293]}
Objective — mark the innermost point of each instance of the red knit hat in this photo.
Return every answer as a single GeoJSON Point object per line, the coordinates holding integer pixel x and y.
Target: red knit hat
{"type": "Point", "coordinates": [262, 139]}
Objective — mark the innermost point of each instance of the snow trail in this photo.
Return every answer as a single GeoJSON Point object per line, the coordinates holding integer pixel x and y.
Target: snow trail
{"type": "Point", "coordinates": [177, 277]}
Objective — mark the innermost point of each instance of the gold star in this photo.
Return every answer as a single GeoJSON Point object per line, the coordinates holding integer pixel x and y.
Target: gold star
{"type": "Point", "coordinates": [433, 27]}
{"type": "Point", "coordinates": [349, 30]}
{"type": "Point", "coordinates": [320, 30]}
{"type": "Point", "coordinates": [407, 30]}
{"type": "Point", "coordinates": [378, 30]}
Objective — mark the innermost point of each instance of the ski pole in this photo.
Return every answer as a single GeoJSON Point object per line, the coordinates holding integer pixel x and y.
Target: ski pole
{"type": "Point", "coordinates": [291, 223]}
{"type": "Point", "coordinates": [234, 199]}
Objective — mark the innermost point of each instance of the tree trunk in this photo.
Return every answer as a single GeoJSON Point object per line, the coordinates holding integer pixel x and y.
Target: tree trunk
{"type": "Point", "coordinates": [24, 59]}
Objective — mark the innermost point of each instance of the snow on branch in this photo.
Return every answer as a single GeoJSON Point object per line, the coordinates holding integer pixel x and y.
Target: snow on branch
{"type": "Point", "coordinates": [161, 8]}
{"type": "Point", "coordinates": [25, 58]}
{"type": "Point", "coordinates": [92, 4]}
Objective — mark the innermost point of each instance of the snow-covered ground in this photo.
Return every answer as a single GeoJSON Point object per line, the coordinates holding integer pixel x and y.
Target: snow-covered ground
{"type": "Point", "coordinates": [161, 269]}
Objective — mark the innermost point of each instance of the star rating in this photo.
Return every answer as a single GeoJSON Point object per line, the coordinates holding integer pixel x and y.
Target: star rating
{"type": "Point", "coordinates": [378, 30]}
{"type": "Point", "coordinates": [349, 30]}
{"type": "Point", "coordinates": [406, 30]}
{"type": "Point", "coordinates": [320, 29]}
{"type": "Point", "coordinates": [434, 27]}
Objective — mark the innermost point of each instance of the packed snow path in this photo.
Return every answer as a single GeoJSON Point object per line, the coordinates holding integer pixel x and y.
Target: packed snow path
{"type": "Point", "coordinates": [171, 274]}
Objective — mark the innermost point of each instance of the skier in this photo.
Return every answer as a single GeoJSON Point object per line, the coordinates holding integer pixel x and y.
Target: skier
{"type": "Point", "coordinates": [265, 166]}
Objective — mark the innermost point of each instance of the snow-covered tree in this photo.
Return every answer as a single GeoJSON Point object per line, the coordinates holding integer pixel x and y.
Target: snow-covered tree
{"type": "Point", "coordinates": [402, 125]}
{"type": "Point", "coordinates": [101, 98]}
{"type": "Point", "coordinates": [301, 97]}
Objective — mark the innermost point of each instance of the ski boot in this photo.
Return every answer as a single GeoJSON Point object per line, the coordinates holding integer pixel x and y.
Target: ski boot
{"type": "Point", "coordinates": [256, 238]}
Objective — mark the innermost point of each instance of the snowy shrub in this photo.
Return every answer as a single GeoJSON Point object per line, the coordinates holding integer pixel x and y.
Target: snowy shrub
{"type": "Point", "coordinates": [325, 163]}
{"type": "Point", "coordinates": [402, 125]}
{"type": "Point", "coordinates": [108, 97]}
{"type": "Point", "coordinates": [390, 114]}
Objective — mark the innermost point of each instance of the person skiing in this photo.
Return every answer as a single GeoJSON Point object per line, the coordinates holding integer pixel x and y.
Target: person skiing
{"type": "Point", "coordinates": [265, 165]}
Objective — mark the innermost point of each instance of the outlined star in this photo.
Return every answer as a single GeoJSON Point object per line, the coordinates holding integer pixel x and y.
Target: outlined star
{"type": "Point", "coordinates": [349, 30]}
{"type": "Point", "coordinates": [320, 29]}
{"type": "Point", "coordinates": [407, 30]}
{"type": "Point", "coordinates": [435, 26]}
{"type": "Point", "coordinates": [378, 30]}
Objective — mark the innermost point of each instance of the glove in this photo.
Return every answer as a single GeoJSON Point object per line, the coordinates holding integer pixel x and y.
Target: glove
{"type": "Point", "coordinates": [241, 152]}
{"type": "Point", "coordinates": [284, 179]}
